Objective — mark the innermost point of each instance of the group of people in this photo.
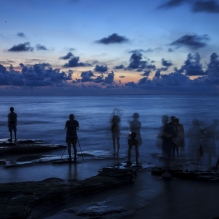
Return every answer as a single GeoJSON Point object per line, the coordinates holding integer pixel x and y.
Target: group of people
{"type": "Point", "coordinates": [134, 138]}
{"type": "Point", "coordinates": [201, 140]}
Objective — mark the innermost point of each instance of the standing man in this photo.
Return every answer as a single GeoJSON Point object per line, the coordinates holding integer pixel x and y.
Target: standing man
{"type": "Point", "coordinates": [12, 124]}
{"type": "Point", "coordinates": [71, 127]}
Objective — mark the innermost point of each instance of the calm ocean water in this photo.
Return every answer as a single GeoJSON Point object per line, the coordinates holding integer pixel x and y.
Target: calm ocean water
{"type": "Point", "coordinates": [44, 117]}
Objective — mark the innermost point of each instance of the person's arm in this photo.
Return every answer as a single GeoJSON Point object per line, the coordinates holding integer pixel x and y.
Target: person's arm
{"type": "Point", "coordinates": [66, 126]}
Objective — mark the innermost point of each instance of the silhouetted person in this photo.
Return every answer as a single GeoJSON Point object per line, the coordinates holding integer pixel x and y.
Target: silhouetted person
{"type": "Point", "coordinates": [12, 124]}
{"type": "Point", "coordinates": [132, 141]}
{"type": "Point", "coordinates": [195, 139]}
{"type": "Point", "coordinates": [209, 145]}
{"type": "Point", "coordinates": [168, 134]}
{"type": "Point", "coordinates": [180, 141]}
{"type": "Point", "coordinates": [115, 129]}
{"type": "Point", "coordinates": [173, 124]}
{"type": "Point", "coordinates": [135, 126]}
{"type": "Point", "coordinates": [71, 127]}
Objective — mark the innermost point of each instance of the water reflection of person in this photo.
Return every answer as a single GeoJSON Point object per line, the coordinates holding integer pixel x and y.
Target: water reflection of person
{"type": "Point", "coordinates": [71, 127]}
{"type": "Point", "coordinates": [211, 133]}
{"type": "Point", "coordinates": [115, 129]}
{"type": "Point", "coordinates": [194, 134]}
{"type": "Point", "coordinates": [12, 124]}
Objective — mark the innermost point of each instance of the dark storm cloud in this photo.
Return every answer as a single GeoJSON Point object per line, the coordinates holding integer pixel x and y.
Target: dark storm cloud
{"type": "Point", "coordinates": [23, 47]}
{"type": "Point", "coordinates": [119, 67]}
{"type": "Point", "coordinates": [101, 68]}
{"type": "Point", "coordinates": [74, 62]}
{"type": "Point", "coordinates": [40, 47]}
{"type": "Point", "coordinates": [166, 63]}
{"type": "Point", "coordinates": [99, 79]}
{"type": "Point", "coordinates": [21, 34]}
{"type": "Point", "coordinates": [192, 65]}
{"type": "Point", "coordinates": [172, 3]}
{"type": "Point", "coordinates": [209, 6]}
{"type": "Point", "coordinates": [191, 41]}
{"type": "Point", "coordinates": [114, 38]}
{"type": "Point", "coordinates": [36, 75]}
{"type": "Point", "coordinates": [67, 56]}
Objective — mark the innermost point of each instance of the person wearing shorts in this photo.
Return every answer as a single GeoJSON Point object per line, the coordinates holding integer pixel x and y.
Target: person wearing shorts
{"type": "Point", "coordinates": [12, 124]}
{"type": "Point", "coordinates": [71, 127]}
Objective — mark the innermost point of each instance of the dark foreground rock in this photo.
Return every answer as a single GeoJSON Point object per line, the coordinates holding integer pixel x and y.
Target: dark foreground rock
{"type": "Point", "coordinates": [28, 200]}
{"type": "Point", "coordinates": [187, 173]}
{"type": "Point", "coordinates": [26, 146]}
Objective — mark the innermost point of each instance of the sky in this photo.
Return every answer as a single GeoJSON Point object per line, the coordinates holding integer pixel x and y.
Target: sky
{"type": "Point", "coordinates": [78, 47]}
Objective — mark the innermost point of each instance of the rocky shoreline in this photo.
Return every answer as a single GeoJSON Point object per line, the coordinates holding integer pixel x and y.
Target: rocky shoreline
{"type": "Point", "coordinates": [28, 200]}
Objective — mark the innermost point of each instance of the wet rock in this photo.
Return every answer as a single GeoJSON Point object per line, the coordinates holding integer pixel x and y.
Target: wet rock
{"type": "Point", "coordinates": [28, 148]}
{"type": "Point", "coordinates": [101, 154]}
{"type": "Point", "coordinates": [187, 173]}
{"type": "Point", "coordinates": [30, 199]}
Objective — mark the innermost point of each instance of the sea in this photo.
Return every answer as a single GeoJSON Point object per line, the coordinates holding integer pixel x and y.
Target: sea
{"type": "Point", "coordinates": [44, 117]}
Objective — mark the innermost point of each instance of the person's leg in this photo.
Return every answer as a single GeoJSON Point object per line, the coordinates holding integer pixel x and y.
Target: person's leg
{"type": "Point", "coordinates": [114, 145]}
{"type": "Point", "coordinates": [69, 149]}
{"type": "Point", "coordinates": [15, 133]}
{"type": "Point", "coordinates": [137, 154]}
{"type": "Point", "coordinates": [129, 150]}
{"type": "Point", "coordinates": [75, 149]}
{"type": "Point", "coordinates": [118, 145]}
{"type": "Point", "coordinates": [10, 131]}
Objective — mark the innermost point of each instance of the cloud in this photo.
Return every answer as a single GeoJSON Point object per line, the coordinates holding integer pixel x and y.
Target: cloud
{"type": "Point", "coordinates": [166, 63]}
{"type": "Point", "coordinates": [213, 67]}
{"type": "Point", "coordinates": [208, 6]}
{"type": "Point", "coordinates": [21, 34]}
{"type": "Point", "coordinates": [140, 50]}
{"type": "Point", "coordinates": [122, 76]}
{"type": "Point", "coordinates": [67, 56]}
{"type": "Point", "coordinates": [36, 75]}
{"type": "Point", "coordinates": [109, 79]}
{"type": "Point", "coordinates": [114, 38]}
{"type": "Point", "coordinates": [191, 41]}
{"type": "Point", "coordinates": [74, 62]}
{"type": "Point", "coordinates": [136, 61]}
{"type": "Point", "coordinates": [192, 65]}
{"type": "Point", "coordinates": [23, 47]}
{"type": "Point", "coordinates": [146, 73]}
{"type": "Point", "coordinates": [40, 47]}
{"type": "Point", "coordinates": [119, 67]}
{"type": "Point", "coordinates": [101, 68]}
{"type": "Point", "coordinates": [86, 76]}
{"type": "Point", "coordinates": [171, 4]}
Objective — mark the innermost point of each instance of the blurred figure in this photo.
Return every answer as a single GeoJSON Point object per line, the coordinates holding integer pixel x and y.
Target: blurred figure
{"type": "Point", "coordinates": [195, 135]}
{"type": "Point", "coordinates": [71, 127]}
{"type": "Point", "coordinates": [211, 133]}
{"type": "Point", "coordinates": [173, 125]}
{"type": "Point", "coordinates": [135, 126]}
{"type": "Point", "coordinates": [167, 134]}
{"type": "Point", "coordinates": [135, 136]}
{"type": "Point", "coordinates": [132, 141]}
{"type": "Point", "coordinates": [180, 141]}
{"type": "Point", "coordinates": [115, 129]}
{"type": "Point", "coordinates": [12, 124]}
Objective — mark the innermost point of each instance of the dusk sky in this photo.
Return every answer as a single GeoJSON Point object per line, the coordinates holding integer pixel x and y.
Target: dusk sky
{"type": "Point", "coordinates": [102, 46]}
